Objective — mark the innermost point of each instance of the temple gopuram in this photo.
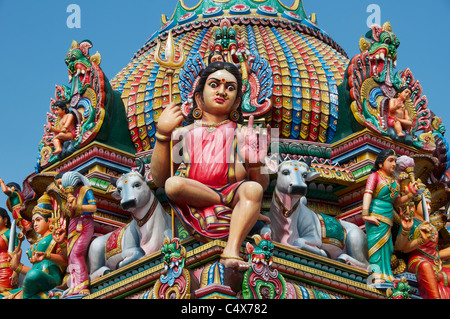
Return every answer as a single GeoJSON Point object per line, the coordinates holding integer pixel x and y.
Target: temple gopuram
{"type": "Point", "coordinates": [330, 110]}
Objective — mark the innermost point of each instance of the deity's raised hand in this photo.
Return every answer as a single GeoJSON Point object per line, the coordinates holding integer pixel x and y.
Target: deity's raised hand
{"type": "Point", "coordinates": [14, 278]}
{"type": "Point", "coordinates": [170, 119]}
{"type": "Point", "coordinates": [38, 256]}
{"type": "Point", "coordinates": [406, 221]}
{"type": "Point", "coordinates": [426, 231]}
{"type": "Point", "coordinates": [15, 258]}
{"type": "Point", "coordinates": [253, 144]}
{"type": "Point", "coordinates": [59, 234]}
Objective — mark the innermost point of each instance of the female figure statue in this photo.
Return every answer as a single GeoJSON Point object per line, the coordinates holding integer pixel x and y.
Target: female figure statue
{"type": "Point", "coordinates": [380, 198]}
{"type": "Point", "coordinates": [81, 204]}
{"type": "Point", "coordinates": [45, 254]}
{"type": "Point", "coordinates": [419, 237]}
{"type": "Point", "coordinates": [220, 196]}
{"type": "Point", "coordinates": [7, 276]}
{"type": "Point", "coordinates": [14, 203]}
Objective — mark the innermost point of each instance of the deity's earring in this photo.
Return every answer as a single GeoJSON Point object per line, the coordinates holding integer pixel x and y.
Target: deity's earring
{"type": "Point", "coordinates": [197, 113]}
{"type": "Point", "coordinates": [234, 115]}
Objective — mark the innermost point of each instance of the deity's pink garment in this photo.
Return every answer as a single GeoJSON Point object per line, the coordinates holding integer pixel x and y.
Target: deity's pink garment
{"type": "Point", "coordinates": [210, 155]}
{"type": "Point", "coordinates": [81, 230]}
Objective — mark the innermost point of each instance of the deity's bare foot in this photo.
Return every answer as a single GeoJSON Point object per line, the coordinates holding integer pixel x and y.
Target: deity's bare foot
{"type": "Point", "coordinates": [234, 262]}
{"type": "Point", "coordinates": [17, 295]}
{"type": "Point", "coordinates": [57, 151]}
{"type": "Point", "coordinates": [379, 281]}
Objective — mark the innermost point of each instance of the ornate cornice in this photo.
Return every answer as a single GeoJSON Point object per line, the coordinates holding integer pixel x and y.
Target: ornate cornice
{"type": "Point", "coordinates": [367, 141]}
{"type": "Point", "coordinates": [92, 154]}
{"type": "Point", "coordinates": [296, 264]}
{"type": "Point", "coordinates": [305, 27]}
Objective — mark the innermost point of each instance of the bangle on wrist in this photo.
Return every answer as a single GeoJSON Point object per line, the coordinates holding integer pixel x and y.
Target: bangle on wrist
{"type": "Point", "coordinates": [254, 168]}
{"type": "Point", "coordinates": [365, 212]}
{"type": "Point", "coordinates": [255, 165]}
{"type": "Point", "coordinates": [19, 268]}
{"type": "Point", "coordinates": [420, 241]}
{"type": "Point", "coordinates": [162, 138]}
{"type": "Point", "coordinates": [404, 232]}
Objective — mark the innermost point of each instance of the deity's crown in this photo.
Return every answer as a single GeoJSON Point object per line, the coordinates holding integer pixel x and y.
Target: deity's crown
{"type": "Point", "coordinates": [44, 206]}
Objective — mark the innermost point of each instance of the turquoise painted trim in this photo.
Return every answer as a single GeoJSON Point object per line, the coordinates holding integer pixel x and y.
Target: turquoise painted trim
{"type": "Point", "coordinates": [182, 9]}
{"type": "Point", "coordinates": [352, 154]}
{"type": "Point", "coordinates": [98, 161]}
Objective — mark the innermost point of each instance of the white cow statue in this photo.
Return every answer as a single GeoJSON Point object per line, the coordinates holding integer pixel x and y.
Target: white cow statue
{"type": "Point", "coordinates": [144, 235]}
{"type": "Point", "coordinates": [294, 224]}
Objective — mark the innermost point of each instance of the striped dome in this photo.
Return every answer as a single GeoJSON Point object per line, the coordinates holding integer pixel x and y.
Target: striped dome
{"type": "Point", "coordinates": [298, 64]}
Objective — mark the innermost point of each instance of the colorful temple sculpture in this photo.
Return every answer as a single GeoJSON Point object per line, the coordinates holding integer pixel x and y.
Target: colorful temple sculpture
{"type": "Point", "coordinates": [326, 121]}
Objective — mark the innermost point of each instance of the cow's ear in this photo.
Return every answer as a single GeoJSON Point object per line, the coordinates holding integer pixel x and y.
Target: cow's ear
{"type": "Point", "coordinates": [272, 163]}
{"type": "Point", "coordinates": [116, 195]}
{"type": "Point", "coordinates": [312, 176]}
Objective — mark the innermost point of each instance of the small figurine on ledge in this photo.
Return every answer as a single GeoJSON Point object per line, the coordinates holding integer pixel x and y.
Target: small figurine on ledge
{"type": "Point", "coordinates": [64, 128]}
{"type": "Point", "coordinates": [399, 118]}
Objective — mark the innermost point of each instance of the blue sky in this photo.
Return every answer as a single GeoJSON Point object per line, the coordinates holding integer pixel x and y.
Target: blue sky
{"type": "Point", "coordinates": [35, 38]}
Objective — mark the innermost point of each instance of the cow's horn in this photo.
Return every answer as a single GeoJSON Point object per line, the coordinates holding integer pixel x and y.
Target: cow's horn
{"type": "Point", "coordinates": [141, 166]}
{"type": "Point", "coordinates": [113, 181]}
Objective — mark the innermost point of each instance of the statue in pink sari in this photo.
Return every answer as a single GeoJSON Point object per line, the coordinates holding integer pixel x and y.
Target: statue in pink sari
{"type": "Point", "coordinates": [81, 205]}
{"type": "Point", "coordinates": [221, 191]}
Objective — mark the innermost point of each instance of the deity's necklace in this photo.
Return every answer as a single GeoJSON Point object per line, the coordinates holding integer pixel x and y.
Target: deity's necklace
{"type": "Point", "coordinates": [436, 259]}
{"type": "Point", "coordinates": [389, 181]}
{"type": "Point", "coordinates": [34, 246]}
{"type": "Point", "coordinates": [210, 127]}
